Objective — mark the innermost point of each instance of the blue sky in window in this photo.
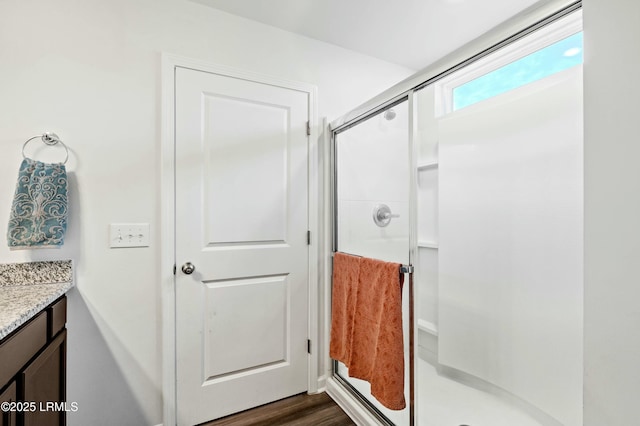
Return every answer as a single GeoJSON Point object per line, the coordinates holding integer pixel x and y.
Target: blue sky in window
{"type": "Point", "coordinates": [559, 56]}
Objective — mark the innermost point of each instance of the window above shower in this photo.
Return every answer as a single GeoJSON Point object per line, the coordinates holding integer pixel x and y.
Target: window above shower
{"type": "Point", "coordinates": [556, 48]}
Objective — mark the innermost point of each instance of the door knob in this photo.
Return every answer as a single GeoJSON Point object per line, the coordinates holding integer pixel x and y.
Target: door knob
{"type": "Point", "coordinates": [188, 268]}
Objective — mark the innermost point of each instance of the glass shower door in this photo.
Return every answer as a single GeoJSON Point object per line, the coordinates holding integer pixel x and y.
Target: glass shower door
{"type": "Point", "coordinates": [372, 215]}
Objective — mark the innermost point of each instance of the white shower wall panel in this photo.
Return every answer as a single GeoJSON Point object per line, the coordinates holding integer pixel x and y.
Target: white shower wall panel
{"type": "Point", "coordinates": [428, 206]}
{"type": "Point", "coordinates": [428, 294]}
{"type": "Point", "coordinates": [358, 234]}
{"type": "Point", "coordinates": [372, 164]}
{"type": "Point", "coordinates": [372, 159]}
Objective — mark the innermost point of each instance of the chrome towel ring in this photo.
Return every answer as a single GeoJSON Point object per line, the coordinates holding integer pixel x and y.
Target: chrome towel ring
{"type": "Point", "coordinates": [49, 138]}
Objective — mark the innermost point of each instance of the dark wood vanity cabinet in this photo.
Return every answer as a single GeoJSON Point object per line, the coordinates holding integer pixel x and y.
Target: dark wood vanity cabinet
{"type": "Point", "coordinates": [10, 394]}
{"type": "Point", "coordinates": [33, 370]}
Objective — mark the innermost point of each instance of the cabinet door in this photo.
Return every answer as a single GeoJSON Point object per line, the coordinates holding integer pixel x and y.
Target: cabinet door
{"type": "Point", "coordinates": [44, 383]}
{"type": "Point", "coordinates": [8, 418]}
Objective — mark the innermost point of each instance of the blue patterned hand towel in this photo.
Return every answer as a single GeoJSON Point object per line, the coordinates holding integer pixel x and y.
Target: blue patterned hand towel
{"type": "Point", "coordinates": [39, 211]}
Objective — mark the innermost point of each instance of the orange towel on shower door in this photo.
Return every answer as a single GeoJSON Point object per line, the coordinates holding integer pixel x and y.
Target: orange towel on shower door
{"type": "Point", "coordinates": [346, 270]}
{"type": "Point", "coordinates": [377, 346]}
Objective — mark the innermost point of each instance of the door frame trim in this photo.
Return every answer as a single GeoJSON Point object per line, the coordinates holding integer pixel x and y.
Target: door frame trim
{"type": "Point", "coordinates": [166, 159]}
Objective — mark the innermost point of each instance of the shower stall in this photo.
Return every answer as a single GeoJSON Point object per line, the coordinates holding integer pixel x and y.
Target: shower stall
{"type": "Point", "coordinates": [470, 175]}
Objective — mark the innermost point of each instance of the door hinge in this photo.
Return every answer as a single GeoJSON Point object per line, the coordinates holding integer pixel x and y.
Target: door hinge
{"type": "Point", "coordinates": [174, 269]}
{"type": "Point", "coordinates": [308, 346]}
{"type": "Point", "coordinates": [308, 128]}
{"type": "Point", "coordinates": [308, 238]}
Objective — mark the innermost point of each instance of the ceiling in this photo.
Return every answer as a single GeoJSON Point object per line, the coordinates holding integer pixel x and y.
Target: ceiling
{"type": "Point", "coordinates": [411, 33]}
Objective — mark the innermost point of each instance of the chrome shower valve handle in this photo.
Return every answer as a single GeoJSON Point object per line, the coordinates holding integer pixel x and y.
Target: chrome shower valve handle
{"type": "Point", "coordinates": [382, 215]}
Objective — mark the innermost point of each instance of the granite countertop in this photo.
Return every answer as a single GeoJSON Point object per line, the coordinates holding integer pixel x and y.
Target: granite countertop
{"type": "Point", "coordinates": [28, 288]}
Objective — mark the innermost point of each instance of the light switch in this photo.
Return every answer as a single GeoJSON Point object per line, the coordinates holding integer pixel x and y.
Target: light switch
{"type": "Point", "coordinates": [128, 235]}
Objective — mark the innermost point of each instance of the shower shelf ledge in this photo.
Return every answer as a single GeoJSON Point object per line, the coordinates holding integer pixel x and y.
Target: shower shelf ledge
{"type": "Point", "coordinates": [428, 165]}
{"type": "Point", "coordinates": [428, 244]}
{"type": "Point", "coordinates": [428, 327]}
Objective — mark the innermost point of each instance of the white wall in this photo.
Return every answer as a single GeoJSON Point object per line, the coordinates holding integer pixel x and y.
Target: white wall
{"type": "Point", "coordinates": [89, 70]}
{"type": "Point", "coordinates": [612, 212]}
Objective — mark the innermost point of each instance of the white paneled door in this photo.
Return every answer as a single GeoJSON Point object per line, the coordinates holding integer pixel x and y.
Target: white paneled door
{"type": "Point", "coordinates": [241, 230]}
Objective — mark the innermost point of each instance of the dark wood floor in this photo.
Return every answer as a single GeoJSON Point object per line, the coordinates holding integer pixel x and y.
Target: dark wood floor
{"type": "Point", "coordinates": [298, 410]}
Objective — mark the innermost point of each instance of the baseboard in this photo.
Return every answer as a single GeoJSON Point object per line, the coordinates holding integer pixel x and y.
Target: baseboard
{"type": "Point", "coordinates": [322, 383]}
{"type": "Point", "coordinates": [357, 413]}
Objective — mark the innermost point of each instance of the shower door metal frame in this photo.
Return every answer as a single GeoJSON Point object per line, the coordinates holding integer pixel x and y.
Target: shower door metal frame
{"type": "Point", "coordinates": [413, 243]}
